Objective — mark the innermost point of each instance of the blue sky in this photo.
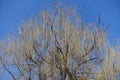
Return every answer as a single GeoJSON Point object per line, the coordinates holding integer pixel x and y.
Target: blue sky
{"type": "Point", "coordinates": [14, 12]}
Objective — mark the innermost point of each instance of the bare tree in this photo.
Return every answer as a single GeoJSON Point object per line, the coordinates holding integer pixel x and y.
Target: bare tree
{"type": "Point", "coordinates": [110, 69]}
{"type": "Point", "coordinates": [55, 46]}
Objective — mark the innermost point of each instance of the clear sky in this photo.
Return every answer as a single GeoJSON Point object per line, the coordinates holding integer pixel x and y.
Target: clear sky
{"type": "Point", "coordinates": [14, 12]}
